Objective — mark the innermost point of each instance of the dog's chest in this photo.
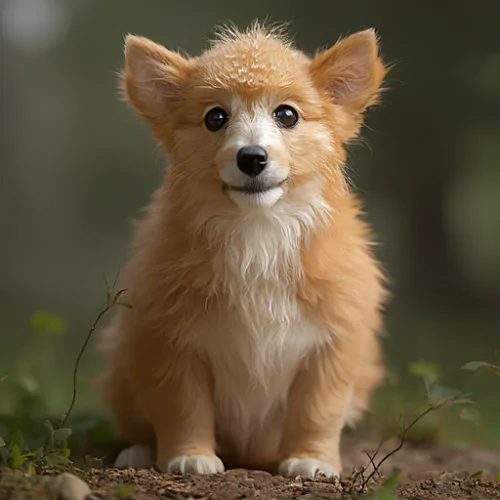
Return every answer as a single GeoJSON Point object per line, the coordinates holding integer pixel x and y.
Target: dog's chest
{"type": "Point", "coordinates": [257, 337]}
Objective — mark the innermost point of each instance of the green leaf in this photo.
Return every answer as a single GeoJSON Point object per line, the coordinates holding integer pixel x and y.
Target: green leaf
{"type": "Point", "coordinates": [474, 365]}
{"type": "Point", "coordinates": [47, 323]}
{"type": "Point", "coordinates": [31, 469]}
{"type": "Point", "coordinates": [2, 441]}
{"type": "Point", "coordinates": [66, 452]}
{"type": "Point", "coordinates": [427, 371]}
{"type": "Point", "coordinates": [49, 439]}
{"type": "Point", "coordinates": [3, 377]}
{"type": "Point", "coordinates": [125, 304]}
{"type": "Point", "coordinates": [478, 473]}
{"type": "Point", "coordinates": [384, 495]}
{"type": "Point", "coordinates": [16, 440]}
{"type": "Point", "coordinates": [477, 365]}
{"type": "Point", "coordinates": [393, 480]}
{"type": "Point", "coordinates": [56, 459]}
{"type": "Point", "coordinates": [437, 393]}
{"type": "Point", "coordinates": [124, 490]}
{"type": "Point", "coordinates": [464, 399]}
{"type": "Point", "coordinates": [60, 437]}
{"type": "Point", "coordinates": [15, 457]}
{"type": "Point", "coordinates": [386, 490]}
{"type": "Point", "coordinates": [40, 453]}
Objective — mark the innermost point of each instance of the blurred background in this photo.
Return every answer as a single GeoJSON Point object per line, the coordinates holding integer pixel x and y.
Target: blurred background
{"type": "Point", "coordinates": [76, 166]}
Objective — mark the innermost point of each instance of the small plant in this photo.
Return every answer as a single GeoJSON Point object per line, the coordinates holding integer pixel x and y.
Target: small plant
{"type": "Point", "coordinates": [438, 396]}
{"type": "Point", "coordinates": [458, 399]}
{"type": "Point", "coordinates": [112, 300]}
{"type": "Point", "coordinates": [51, 449]}
{"type": "Point", "coordinates": [483, 365]}
{"type": "Point", "coordinates": [443, 426]}
{"type": "Point", "coordinates": [54, 452]}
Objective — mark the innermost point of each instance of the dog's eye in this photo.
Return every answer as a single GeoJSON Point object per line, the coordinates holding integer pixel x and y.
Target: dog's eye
{"type": "Point", "coordinates": [215, 119]}
{"type": "Point", "coordinates": [286, 116]}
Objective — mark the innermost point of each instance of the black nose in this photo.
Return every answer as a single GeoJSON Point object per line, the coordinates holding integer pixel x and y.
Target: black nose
{"type": "Point", "coordinates": [251, 160]}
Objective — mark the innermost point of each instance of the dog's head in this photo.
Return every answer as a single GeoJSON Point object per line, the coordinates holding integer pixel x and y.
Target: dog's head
{"type": "Point", "coordinates": [252, 119]}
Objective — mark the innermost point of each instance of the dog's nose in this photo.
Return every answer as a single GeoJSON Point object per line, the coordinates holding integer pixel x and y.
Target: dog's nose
{"type": "Point", "coordinates": [252, 160]}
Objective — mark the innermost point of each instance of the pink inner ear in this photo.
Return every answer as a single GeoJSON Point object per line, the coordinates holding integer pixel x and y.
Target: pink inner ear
{"type": "Point", "coordinates": [155, 80]}
{"type": "Point", "coordinates": [345, 86]}
{"type": "Point", "coordinates": [143, 73]}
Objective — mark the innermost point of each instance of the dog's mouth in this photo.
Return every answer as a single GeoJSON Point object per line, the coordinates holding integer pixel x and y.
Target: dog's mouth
{"type": "Point", "coordinates": [253, 187]}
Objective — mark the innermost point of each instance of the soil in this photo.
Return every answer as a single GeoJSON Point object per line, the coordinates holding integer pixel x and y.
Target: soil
{"type": "Point", "coordinates": [428, 472]}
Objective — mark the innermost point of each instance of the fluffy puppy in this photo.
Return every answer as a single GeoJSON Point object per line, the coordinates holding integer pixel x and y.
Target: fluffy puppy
{"type": "Point", "coordinates": [253, 337]}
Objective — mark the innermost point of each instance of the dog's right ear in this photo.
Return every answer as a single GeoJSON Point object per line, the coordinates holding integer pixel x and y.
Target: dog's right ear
{"type": "Point", "coordinates": [153, 77]}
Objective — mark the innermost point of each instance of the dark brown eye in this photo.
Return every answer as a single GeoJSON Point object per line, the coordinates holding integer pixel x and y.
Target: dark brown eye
{"type": "Point", "coordinates": [215, 119]}
{"type": "Point", "coordinates": [286, 116]}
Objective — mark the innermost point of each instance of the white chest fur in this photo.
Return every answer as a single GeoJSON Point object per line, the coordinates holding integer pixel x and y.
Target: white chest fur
{"type": "Point", "coordinates": [253, 374]}
{"type": "Point", "coordinates": [257, 337]}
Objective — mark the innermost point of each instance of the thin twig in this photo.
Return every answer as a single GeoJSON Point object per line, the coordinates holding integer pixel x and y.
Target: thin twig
{"type": "Point", "coordinates": [404, 433]}
{"type": "Point", "coordinates": [378, 447]}
{"type": "Point", "coordinates": [110, 303]}
{"type": "Point", "coordinates": [372, 461]}
{"type": "Point", "coordinates": [82, 350]}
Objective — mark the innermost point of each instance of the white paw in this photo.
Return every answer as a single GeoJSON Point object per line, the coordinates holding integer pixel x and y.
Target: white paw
{"type": "Point", "coordinates": [306, 468]}
{"type": "Point", "coordinates": [135, 457]}
{"type": "Point", "coordinates": [195, 464]}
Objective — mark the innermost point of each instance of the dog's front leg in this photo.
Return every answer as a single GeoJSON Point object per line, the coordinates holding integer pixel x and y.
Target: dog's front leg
{"type": "Point", "coordinates": [317, 406]}
{"type": "Point", "coordinates": [180, 407]}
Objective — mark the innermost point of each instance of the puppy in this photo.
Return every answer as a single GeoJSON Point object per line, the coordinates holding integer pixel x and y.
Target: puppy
{"type": "Point", "coordinates": [253, 337]}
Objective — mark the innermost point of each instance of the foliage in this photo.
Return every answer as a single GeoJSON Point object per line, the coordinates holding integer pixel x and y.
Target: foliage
{"type": "Point", "coordinates": [482, 365]}
{"type": "Point", "coordinates": [438, 396]}
{"type": "Point", "coordinates": [47, 323]}
{"type": "Point", "coordinates": [124, 490]}
{"type": "Point", "coordinates": [47, 443]}
{"type": "Point", "coordinates": [435, 390]}
{"type": "Point", "coordinates": [47, 446]}
{"type": "Point", "coordinates": [386, 491]}
{"type": "Point", "coordinates": [14, 454]}
{"type": "Point", "coordinates": [449, 425]}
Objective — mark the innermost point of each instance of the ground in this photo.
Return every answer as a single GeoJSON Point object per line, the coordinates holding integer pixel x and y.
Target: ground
{"type": "Point", "coordinates": [429, 471]}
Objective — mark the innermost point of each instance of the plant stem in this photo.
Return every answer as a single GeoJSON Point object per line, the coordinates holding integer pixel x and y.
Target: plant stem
{"type": "Point", "coordinates": [402, 439]}
{"type": "Point", "coordinates": [82, 350]}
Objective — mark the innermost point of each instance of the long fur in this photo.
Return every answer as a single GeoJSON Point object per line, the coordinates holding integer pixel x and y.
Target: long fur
{"type": "Point", "coordinates": [255, 320]}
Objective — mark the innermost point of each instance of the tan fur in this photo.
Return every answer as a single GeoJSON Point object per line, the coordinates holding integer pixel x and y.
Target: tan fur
{"type": "Point", "coordinates": [230, 301]}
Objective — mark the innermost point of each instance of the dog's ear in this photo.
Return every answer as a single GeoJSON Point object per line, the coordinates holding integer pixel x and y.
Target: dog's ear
{"type": "Point", "coordinates": [351, 71]}
{"type": "Point", "coordinates": [153, 77]}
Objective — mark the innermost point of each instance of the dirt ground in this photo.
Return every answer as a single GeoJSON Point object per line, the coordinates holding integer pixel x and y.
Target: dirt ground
{"type": "Point", "coordinates": [428, 472]}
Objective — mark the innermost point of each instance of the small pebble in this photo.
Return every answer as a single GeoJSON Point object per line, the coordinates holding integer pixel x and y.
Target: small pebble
{"type": "Point", "coordinates": [69, 487]}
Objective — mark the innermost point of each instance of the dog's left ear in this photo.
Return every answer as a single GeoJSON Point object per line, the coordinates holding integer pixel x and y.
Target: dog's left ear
{"type": "Point", "coordinates": [351, 71]}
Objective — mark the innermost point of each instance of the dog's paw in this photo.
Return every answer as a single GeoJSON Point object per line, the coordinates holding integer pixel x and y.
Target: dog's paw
{"type": "Point", "coordinates": [306, 468]}
{"type": "Point", "coordinates": [135, 457]}
{"type": "Point", "coordinates": [194, 464]}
